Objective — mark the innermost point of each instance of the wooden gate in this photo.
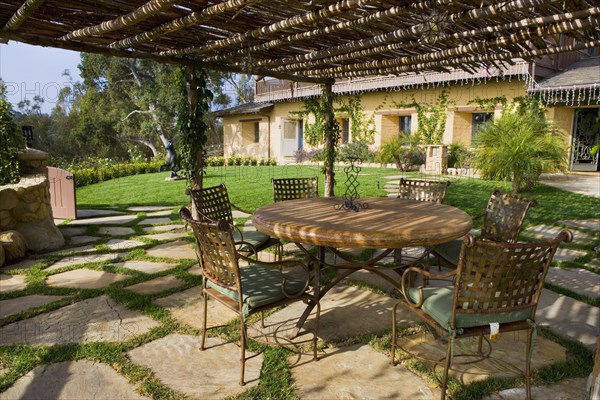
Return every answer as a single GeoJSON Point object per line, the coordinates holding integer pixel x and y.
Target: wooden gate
{"type": "Point", "coordinates": [62, 193]}
{"type": "Point", "coordinates": [586, 134]}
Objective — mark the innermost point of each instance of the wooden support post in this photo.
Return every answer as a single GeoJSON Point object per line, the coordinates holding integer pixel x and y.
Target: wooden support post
{"type": "Point", "coordinates": [197, 135]}
{"type": "Point", "coordinates": [331, 134]}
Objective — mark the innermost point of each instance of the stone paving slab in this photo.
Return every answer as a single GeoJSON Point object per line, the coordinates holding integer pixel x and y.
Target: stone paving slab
{"type": "Point", "coordinates": [210, 374]}
{"type": "Point", "coordinates": [147, 267]}
{"type": "Point", "coordinates": [99, 319]}
{"type": "Point", "coordinates": [73, 231]}
{"type": "Point", "coordinates": [567, 254]}
{"type": "Point", "coordinates": [82, 213]}
{"type": "Point", "coordinates": [115, 230]}
{"type": "Point", "coordinates": [595, 263]}
{"type": "Point", "coordinates": [148, 208]}
{"type": "Point", "coordinates": [167, 235]}
{"type": "Point", "coordinates": [356, 372]}
{"type": "Point", "coordinates": [155, 221]}
{"type": "Point", "coordinates": [592, 223]}
{"type": "Point", "coordinates": [239, 214]}
{"type": "Point", "coordinates": [14, 306]}
{"type": "Point", "coordinates": [569, 389]}
{"type": "Point", "coordinates": [84, 279]}
{"type": "Point", "coordinates": [179, 249]}
{"type": "Point", "coordinates": [70, 261]}
{"type": "Point", "coordinates": [162, 228]}
{"type": "Point", "coordinates": [580, 281]}
{"type": "Point", "coordinates": [156, 285]}
{"type": "Point", "coordinates": [194, 270]}
{"type": "Point", "coordinates": [569, 317]}
{"type": "Point", "coordinates": [550, 232]}
{"type": "Point", "coordinates": [79, 249]}
{"type": "Point", "coordinates": [508, 355]}
{"type": "Point", "coordinates": [345, 311]}
{"type": "Point", "coordinates": [10, 283]}
{"type": "Point", "coordinates": [187, 307]}
{"type": "Point", "coordinates": [123, 244]}
{"type": "Point", "coordinates": [159, 213]}
{"type": "Point", "coordinates": [23, 264]}
{"type": "Point", "coordinates": [83, 239]}
{"type": "Point", "coordinates": [117, 219]}
{"type": "Point", "coordinates": [81, 379]}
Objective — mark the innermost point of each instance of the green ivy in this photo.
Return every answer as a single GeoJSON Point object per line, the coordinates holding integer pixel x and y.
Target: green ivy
{"type": "Point", "coordinates": [362, 128]}
{"type": "Point", "coordinates": [12, 143]}
{"type": "Point", "coordinates": [313, 131]}
{"type": "Point", "coordinates": [431, 119]}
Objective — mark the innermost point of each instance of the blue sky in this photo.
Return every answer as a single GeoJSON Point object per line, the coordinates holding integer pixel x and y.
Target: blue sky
{"type": "Point", "coordinates": [28, 71]}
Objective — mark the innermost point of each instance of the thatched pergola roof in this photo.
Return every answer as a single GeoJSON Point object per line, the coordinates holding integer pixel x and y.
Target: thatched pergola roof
{"type": "Point", "coordinates": [309, 40]}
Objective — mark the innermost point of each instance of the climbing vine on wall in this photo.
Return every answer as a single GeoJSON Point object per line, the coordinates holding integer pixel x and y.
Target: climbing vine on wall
{"type": "Point", "coordinates": [431, 118]}
{"type": "Point", "coordinates": [313, 127]}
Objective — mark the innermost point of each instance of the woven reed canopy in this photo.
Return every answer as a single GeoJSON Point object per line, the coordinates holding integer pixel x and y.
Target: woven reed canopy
{"type": "Point", "coordinates": [309, 40]}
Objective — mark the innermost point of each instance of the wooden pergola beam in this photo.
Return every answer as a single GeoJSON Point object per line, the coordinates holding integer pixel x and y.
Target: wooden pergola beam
{"type": "Point", "coordinates": [146, 11]}
{"type": "Point", "coordinates": [22, 14]}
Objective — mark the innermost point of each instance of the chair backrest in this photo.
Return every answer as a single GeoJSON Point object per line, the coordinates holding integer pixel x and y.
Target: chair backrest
{"type": "Point", "coordinates": [422, 190]}
{"type": "Point", "coordinates": [497, 277]}
{"type": "Point", "coordinates": [504, 216]}
{"type": "Point", "coordinates": [215, 250]}
{"type": "Point", "coordinates": [295, 188]}
{"type": "Point", "coordinates": [213, 203]}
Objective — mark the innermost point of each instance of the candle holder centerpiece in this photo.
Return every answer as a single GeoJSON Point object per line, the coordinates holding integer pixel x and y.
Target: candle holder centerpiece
{"type": "Point", "coordinates": [351, 195]}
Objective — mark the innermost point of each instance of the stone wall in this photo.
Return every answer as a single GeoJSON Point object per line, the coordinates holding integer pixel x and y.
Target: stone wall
{"type": "Point", "coordinates": [25, 206]}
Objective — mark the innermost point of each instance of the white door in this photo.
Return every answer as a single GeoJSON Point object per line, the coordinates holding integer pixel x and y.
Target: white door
{"type": "Point", "coordinates": [289, 139]}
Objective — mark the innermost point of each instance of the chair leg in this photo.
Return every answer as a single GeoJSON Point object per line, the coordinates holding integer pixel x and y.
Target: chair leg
{"type": "Point", "coordinates": [528, 364]}
{"type": "Point", "coordinates": [316, 332]}
{"type": "Point", "coordinates": [446, 368]}
{"type": "Point", "coordinates": [262, 319]}
{"type": "Point", "coordinates": [393, 355]}
{"type": "Point", "coordinates": [242, 349]}
{"type": "Point", "coordinates": [205, 296]}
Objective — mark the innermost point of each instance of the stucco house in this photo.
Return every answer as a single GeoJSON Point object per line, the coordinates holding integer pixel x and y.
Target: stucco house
{"type": "Point", "coordinates": [568, 83]}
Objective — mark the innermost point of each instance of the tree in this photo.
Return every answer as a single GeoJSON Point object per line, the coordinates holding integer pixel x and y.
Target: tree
{"type": "Point", "coordinates": [11, 141]}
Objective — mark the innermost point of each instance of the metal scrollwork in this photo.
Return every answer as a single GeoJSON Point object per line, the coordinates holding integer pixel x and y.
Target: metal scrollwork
{"type": "Point", "coordinates": [351, 195]}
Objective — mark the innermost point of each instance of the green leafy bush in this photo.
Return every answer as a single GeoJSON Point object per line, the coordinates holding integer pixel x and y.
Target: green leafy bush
{"type": "Point", "coordinates": [12, 143]}
{"type": "Point", "coordinates": [356, 150]}
{"type": "Point", "coordinates": [519, 146]}
{"type": "Point", "coordinates": [457, 155]}
{"type": "Point", "coordinates": [88, 176]}
{"type": "Point", "coordinates": [402, 151]}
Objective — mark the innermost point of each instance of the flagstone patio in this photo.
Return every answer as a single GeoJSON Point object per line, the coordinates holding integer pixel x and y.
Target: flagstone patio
{"type": "Point", "coordinates": [349, 366]}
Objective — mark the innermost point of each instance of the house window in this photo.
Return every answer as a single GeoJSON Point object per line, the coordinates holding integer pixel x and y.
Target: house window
{"type": "Point", "coordinates": [345, 130]}
{"type": "Point", "coordinates": [404, 122]}
{"type": "Point", "coordinates": [256, 132]}
{"type": "Point", "coordinates": [479, 119]}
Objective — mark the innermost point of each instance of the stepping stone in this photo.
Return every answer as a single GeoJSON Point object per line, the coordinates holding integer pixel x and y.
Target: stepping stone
{"type": "Point", "coordinates": [569, 317]}
{"type": "Point", "coordinates": [147, 267]}
{"type": "Point", "coordinates": [567, 254]}
{"type": "Point", "coordinates": [168, 235]}
{"type": "Point", "coordinates": [155, 221]}
{"type": "Point", "coordinates": [194, 270]}
{"type": "Point", "coordinates": [148, 208]}
{"type": "Point", "coordinates": [83, 239]}
{"type": "Point", "coordinates": [187, 307]}
{"type": "Point", "coordinates": [117, 219]}
{"type": "Point", "coordinates": [84, 279]}
{"type": "Point", "coordinates": [67, 231]}
{"type": "Point", "coordinates": [580, 281]}
{"type": "Point", "coordinates": [116, 230]}
{"type": "Point", "coordinates": [14, 306]}
{"type": "Point", "coordinates": [345, 311]}
{"type": "Point", "coordinates": [100, 319]}
{"type": "Point", "coordinates": [10, 283]}
{"type": "Point", "coordinates": [162, 228]}
{"type": "Point", "coordinates": [123, 244]}
{"type": "Point", "coordinates": [81, 379]}
{"type": "Point", "coordinates": [156, 285]}
{"type": "Point", "coordinates": [508, 352]}
{"type": "Point", "coordinates": [159, 213]}
{"type": "Point", "coordinates": [24, 264]}
{"type": "Point", "coordinates": [595, 263]}
{"type": "Point", "coordinates": [592, 223]}
{"type": "Point", "coordinates": [178, 249]}
{"type": "Point", "coordinates": [80, 249]}
{"type": "Point", "coordinates": [83, 259]}
{"type": "Point", "coordinates": [97, 213]}
{"type": "Point", "coordinates": [213, 373]}
{"type": "Point", "coordinates": [568, 389]}
{"type": "Point", "coordinates": [356, 372]}
{"type": "Point", "coordinates": [550, 232]}
{"type": "Point", "coordinates": [239, 214]}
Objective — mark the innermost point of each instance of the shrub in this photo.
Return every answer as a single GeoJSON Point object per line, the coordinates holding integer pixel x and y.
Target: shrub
{"type": "Point", "coordinates": [457, 155]}
{"type": "Point", "coordinates": [519, 146]}
{"type": "Point", "coordinates": [356, 150]}
{"type": "Point", "coordinates": [12, 143]}
{"type": "Point", "coordinates": [402, 151]}
{"type": "Point", "coordinates": [85, 175]}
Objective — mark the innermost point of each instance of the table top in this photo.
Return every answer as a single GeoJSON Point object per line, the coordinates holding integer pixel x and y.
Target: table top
{"type": "Point", "coordinates": [386, 223]}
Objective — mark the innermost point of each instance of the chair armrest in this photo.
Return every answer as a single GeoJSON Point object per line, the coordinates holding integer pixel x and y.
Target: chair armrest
{"type": "Point", "coordinates": [404, 283]}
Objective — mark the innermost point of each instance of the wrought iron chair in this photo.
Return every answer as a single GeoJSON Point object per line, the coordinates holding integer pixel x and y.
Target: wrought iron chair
{"type": "Point", "coordinates": [247, 290]}
{"type": "Point", "coordinates": [420, 190]}
{"type": "Point", "coordinates": [496, 282]}
{"type": "Point", "coordinates": [502, 222]}
{"type": "Point", "coordinates": [295, 188]}
{"type": "Point", "coordinates": [213, 203]}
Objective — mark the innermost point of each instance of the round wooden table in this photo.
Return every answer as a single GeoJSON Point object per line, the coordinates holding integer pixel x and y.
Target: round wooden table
{"type": "Point", "coordinates": [386, 223]}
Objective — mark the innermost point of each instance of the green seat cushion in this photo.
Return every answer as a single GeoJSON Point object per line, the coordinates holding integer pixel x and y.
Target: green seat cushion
{"type": "Point", "coordinates": [261, 285]}
{"type": "Point", "coordinates": [255, 238]}
{"type": "Point", "coordinates": [449, 251]}
{"type": "Point", "coordinates": [438, 305]}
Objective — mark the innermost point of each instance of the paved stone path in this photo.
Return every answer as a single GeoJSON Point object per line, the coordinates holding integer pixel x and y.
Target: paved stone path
{"type": "Point", "coordinates": [348, 312]}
